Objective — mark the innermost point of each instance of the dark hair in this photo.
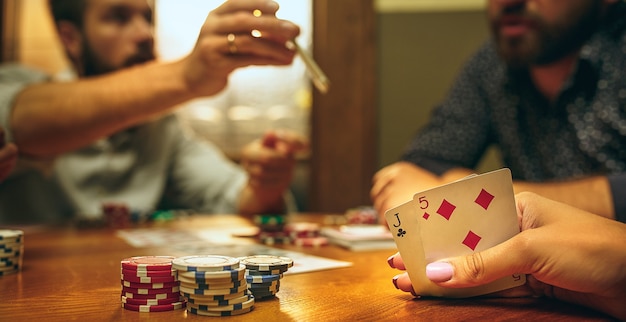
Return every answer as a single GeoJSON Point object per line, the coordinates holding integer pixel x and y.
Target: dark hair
{"type": "Point", "coordinates": [69, 10]}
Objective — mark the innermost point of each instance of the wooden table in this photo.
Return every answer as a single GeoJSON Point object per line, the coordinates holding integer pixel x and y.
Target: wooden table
{"type": "Point", "coordinates": [72, 274]}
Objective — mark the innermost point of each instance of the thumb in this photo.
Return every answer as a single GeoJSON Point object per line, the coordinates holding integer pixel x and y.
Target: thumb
{"type": "Point", "coordinates": [478, 268]}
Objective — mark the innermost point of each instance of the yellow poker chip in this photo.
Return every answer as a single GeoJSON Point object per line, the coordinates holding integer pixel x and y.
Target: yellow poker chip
{"type": "Point", "coordinates": [205, 263]}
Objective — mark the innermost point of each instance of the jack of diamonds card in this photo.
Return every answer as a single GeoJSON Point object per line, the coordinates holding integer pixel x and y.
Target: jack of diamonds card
{"type": "Point", "coordinates": [455, 219]}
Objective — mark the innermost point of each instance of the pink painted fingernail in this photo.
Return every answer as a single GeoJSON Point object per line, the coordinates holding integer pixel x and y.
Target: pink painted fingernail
{"type": "Point", "coordinates": [395, 281]}
{"type": "Point", "coordinates": [439, 271]}
{"type": "Point", "coordinates": [390, 261]}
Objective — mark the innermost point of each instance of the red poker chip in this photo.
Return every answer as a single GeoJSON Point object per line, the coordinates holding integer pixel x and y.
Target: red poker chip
{"type": "Point", "coordinates": [149, 290]}
{"type": "Point", "coordinates": [154, 286]}
{"type": "Point", "coordinates": [154, 308]}
{"type": "Point", "coordinates": [159, 296]}
{"type": "Point", "coordinates": [148, 280]}
{"type": "Point", "coordinates": [148, 263]}
{"type": "Point", "coordinates": [151, 301]}
{"type": "Point", "coordinates": [163, 273]}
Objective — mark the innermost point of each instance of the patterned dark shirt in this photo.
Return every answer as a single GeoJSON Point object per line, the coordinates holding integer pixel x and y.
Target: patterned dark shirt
{"type": "Point", "coordinates": [582, 133]}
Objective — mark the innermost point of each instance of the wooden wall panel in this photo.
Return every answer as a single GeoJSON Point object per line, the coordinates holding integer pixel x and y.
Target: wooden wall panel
{"type": "Point", "coordinates": [344, 120]}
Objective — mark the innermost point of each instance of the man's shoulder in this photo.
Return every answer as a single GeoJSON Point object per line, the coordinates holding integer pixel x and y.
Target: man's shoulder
{"type": "Point", "coordinates": [13, 72]}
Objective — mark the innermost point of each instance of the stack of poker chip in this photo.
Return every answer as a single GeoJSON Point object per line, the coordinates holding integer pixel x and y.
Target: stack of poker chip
{"type": "Point", "coordinates": [305, 234]}
{"type": "Point", "coordinates": [213, 285]}
{"type": "Point", "coordinates": [271, 229]}
{"type": "Point", "coordinates": [11, 251]}
{"type": "Point", "coordinates": [263, 273]}
{"type": "Point", "coordinates": [149, 284]}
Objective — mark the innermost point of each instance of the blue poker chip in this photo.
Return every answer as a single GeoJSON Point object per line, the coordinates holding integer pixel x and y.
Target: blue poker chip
{"type": "Point", "coordinates": [223, 291]}
{"type": "Point", "coordinates": [212, 286]}
{"type": "Point", "coordinates": [240, 299]}
{"type": "Point", "coordinates": [256, 279]}
{"type": "Point", "coordinates": [234, 274]}
{"type": "Point", "coordinates": [231, 307]}
{"type": "Point", "coordinates": [267, 285]}
{"type": "Point", "coordinates": [205, 263]}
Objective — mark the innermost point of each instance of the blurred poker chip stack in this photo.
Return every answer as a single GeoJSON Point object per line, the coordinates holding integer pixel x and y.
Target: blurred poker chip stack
{"type": "Point", "coordinates": [271, 229]}
{"type": "Point", "coordinates": [264, 272]}
{"type": "Point", "coordinates": [305, 234]}
{"type": "Point", "coordinates": [213, 285]}
{"type": "Point", "coordinates": [149, 284]}
{"type": "Point", "coordinates": [11, 251]}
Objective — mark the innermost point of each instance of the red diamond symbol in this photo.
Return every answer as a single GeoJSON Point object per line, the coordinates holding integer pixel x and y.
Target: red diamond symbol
{"type": "Point", "coordinates": [471, 240]}
{"type": "Point", "coordinates": [484, 199]}
{"type": "Point", "coordinates": [426, 215]}
{"type": "Point", "coordinates": [446, 209]}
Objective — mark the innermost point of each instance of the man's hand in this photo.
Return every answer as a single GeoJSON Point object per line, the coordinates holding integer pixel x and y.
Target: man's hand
{"type": "Point", "coordinates": [227, 42]}
{"type": "Point", "coordinates": [270, 163]}
{"type": "Point", "coordinates": [397, 183]}
{"type": "Point", "coordinates": [8, 157]}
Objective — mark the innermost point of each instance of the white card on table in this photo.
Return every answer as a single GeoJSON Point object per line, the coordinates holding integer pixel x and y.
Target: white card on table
{"type": "Point", "coordinates": [458, 218]}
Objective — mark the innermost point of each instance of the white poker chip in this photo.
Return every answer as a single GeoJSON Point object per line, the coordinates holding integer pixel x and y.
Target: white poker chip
{"type": "Point", "coordinates": [11, 236]}
{"type": "Point", "coordinates": [266, 262]}
{"type": "Point", "coordinates": [205, 263]}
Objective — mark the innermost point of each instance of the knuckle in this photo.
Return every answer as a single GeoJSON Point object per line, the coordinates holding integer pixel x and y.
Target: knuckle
{"type": "Point", "coordinates": [474, 267]}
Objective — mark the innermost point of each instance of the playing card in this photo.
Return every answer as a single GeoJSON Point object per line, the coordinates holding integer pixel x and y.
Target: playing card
{"type": "Point", "coordinates": [459, 218]}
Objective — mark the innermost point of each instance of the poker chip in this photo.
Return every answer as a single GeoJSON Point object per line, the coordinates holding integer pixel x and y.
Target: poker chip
{"type": "Point", "coordinates": [220, 313]}
{"type": "Point", "coordinates": [151, 301]}
{"type": "Point", "coordinates": [247, 296]}
{"type": "Point", "coordinates": [205, 263]}
{"type": "Point", "coordinates": [11, 251]}
{"type": "Point", "coordinates": [264, 272]}
{"type": "Point", "coordinates": [206, 297]}
{"type": "Point", "coordinates": [234, 274]}
{"type": "Point", "coordinates": [266, 262]}
{"type": "Point", "coordinates": [148, 263]}
{"type": "Point", "coordinates": [154, 308]}
{"type": "Point", "coordinates": [159, 296]}
{"type": "Point", "coordinates": [269, 219]}
{"type": "Point", "coordinates": [141, 291]}
{"type": "Point", "coordinates": [149, 284]}
{"type": "Point", "coordinates": [221, 280]}
{"type": "Point", "coordinates": [140, 273]}
{"type": "Point", "coordinates": [11, 236]}
{"type": "Point", "coordinates": [222, 291]}
{"type": "Point", "coordinates": [252, 279]}
{"type": "Point", "coordinates": [253, 272]}
{"type": "Point", "coordinates": [148, 280]}
{"type": "Point", "coordinates": [212, 286]}
{"type": "Point", "coordinates": [231, 307]}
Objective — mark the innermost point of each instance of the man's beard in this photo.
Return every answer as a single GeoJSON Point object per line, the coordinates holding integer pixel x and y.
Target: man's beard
{"type": "Point", "coordinates": [546, 43]}
{"type": "Point", "coordinates": [93, 66]}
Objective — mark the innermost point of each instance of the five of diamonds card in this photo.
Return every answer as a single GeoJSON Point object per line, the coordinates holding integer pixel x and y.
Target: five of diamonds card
{"type": "Point", "coordinates": [459, 218]}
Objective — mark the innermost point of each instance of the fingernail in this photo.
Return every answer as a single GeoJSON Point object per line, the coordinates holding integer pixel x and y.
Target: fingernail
{"type": "Point", "coordinates": [395, 281]}
{"type": "Point", "coordinates": [390, 261]}
{"type": "Point", "coordinates": [439, 271]}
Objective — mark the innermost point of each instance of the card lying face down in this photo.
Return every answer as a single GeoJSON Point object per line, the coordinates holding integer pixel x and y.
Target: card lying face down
{"type": "Point", "coordinates": [459, 218]}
